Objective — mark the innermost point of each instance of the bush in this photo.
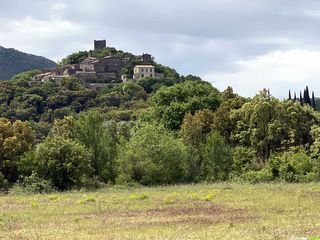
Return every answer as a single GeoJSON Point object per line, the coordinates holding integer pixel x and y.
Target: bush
{"type": "Point", "coordinates": [216, 159]}
{"type": "Point", "coordinates": [152, 156]}
{"type": "Point", "coordinates": [64, 162]}
{"type": "Point", "coordinates": [92, 132]}
{"type": "Point", "coordinates": [264, 175]}
{"type": "Point", "coordinates": [293, 166]}
{"type": "Point", "coordinates": [35, 184]}
{"type": "Point", "coordinates": [3, 183]}
{"type": "Point", "coordinates": [244, 160]}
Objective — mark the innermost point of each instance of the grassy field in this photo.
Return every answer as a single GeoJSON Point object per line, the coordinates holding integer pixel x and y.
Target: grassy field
{"type": "Point", "coordinates": [221, 211]}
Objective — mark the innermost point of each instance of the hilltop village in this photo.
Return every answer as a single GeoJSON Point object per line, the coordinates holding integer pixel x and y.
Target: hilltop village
{"type": "Point", "coordinates": [97, 73]}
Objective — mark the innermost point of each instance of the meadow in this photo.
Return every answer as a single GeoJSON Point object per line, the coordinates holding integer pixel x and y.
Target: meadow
{"type": "Point", "coordinates": [217, 211]}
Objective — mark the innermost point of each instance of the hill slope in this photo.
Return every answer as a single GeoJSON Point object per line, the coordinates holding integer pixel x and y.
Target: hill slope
{"type": "Point", "coordinates": [13, 62]}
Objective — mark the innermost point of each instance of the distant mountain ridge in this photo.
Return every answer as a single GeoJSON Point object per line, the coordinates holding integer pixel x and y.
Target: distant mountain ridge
{"type": "Point", "coordinates": [13, 62]}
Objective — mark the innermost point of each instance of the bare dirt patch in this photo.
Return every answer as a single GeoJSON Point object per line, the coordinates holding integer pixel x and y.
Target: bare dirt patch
{"type": "Point", "coordinates": [195, 214]}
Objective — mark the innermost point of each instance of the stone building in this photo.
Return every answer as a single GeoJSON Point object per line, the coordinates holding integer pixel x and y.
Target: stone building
{"type": "Point", "coordinates": [145, 57]}
{"type": "Point", "coordinates": [88, 65]}
{"type": "Point", "coordinates": [100, 44]}
{"type": "Point", "coordinates": [97, 72]}
{"type": "Point", "coordinates": [142, 71]}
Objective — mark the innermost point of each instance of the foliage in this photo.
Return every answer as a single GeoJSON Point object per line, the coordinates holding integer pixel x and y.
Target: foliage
{"type": "Point", "coordinates": [216, 159]}
{"type": "Point", "coordinates": [151, 131]}
{"type": "Point", "coordinates": [3, 183]}
{"type": "Point", "coordinates": [270, 125]}
{"type": "Point", "coordinates": [34, 184]}
{"type": "Point", "coordinates": [152, 156]}
{"type": "Point", "coordinates": [222, 121]}
{"type": "Point", "coordinates": [16, 138]}
{"type": "Point", "coordinates": [91, 131]}
{"type": "Point", "coordinates": [64, 162]}
{"type": "Point", "coordinates": [194, 131]}
{"type": "Point", "coordinates": [244, 160]}
{"type": "Point", "coordinates": [133, 91]}
{"type": "Point", "coordinates": [14, 62]}
{"type": "Point", "coordinates": [172, 103]}
{"type": "Point", "coordinates": [151, 85]}
{"type": "Point", "coordinates": [64, 128]}
{"type": "Point", "coordinates": [74, 58]}
{"type": "Point", "coordinates": [195, 128]}
{"type": "Point", "coordinates": [43, 102]}
{"type": "Point", "coordinates": [294, 166]}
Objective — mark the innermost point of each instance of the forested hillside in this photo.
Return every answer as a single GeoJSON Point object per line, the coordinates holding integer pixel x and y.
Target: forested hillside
{"type": "Point", "coordinates": [176, 129]}
{"type": "Point", "coordinates": [13, 62]}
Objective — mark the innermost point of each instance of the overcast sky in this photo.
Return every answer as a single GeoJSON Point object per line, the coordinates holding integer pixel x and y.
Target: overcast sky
{"type": "Point", "coordinates": [248, 44]}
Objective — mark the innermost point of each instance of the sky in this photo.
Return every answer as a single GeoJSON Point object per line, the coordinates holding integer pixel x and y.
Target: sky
{"type": "Point", "coordinates": [246, 44]}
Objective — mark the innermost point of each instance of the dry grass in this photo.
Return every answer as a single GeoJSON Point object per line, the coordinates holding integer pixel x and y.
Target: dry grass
{"type": "Point", "coordinates": [220, 211]}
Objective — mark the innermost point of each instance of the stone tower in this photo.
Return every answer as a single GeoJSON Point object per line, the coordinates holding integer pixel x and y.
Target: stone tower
{"type": "Point", "coordinates": [99, 44]}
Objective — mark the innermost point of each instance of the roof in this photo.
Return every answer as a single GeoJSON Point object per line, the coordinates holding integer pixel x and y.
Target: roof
{"type": "Point", "coordinates": [89, 60]}
{"type": "Point", "coordinates": [43, 74]}
{"type": "Point", "coordinates": [141, 66]}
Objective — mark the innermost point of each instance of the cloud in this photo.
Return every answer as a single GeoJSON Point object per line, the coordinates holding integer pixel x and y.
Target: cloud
{"type": "Point", "coordinates": [41, 36]}
{"type": "Point", "coordinates": [204, 37]}
{"type": "Point", "coordinates": [279, 71]}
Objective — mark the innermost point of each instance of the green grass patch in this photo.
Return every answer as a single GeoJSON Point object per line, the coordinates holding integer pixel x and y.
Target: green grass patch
{"type": "Point", "coordinates": [216, 211]}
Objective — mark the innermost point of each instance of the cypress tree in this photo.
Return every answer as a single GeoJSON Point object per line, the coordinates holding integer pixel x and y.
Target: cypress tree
{"type": "Point", "coordinates": [295, 96]}
{"type": "Point", "coordinates": [301, 99]}
{"type": "Point", "coordinates": [313, 101]}
{"type": "Point", "coordinates": [290, 95]}
{"type": "Point", "coordinates": [307, 99]}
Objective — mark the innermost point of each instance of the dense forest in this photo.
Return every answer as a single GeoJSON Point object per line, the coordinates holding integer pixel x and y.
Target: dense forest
{"type": "Point", "coordinates": [176, 129]}
{"type": "Point", "coordinates": [13, 62]}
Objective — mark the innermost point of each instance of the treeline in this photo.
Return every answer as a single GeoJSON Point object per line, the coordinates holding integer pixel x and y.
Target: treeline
{"type": "Point", "coordinates": [153, 132]}
{"type": "Point", "coordinates": [305, 99]}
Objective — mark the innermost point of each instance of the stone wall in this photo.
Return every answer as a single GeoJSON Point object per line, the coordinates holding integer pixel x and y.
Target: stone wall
{"type": "Point", "coordinates": [99, 44]}
{"type": "Point", "coordinates": [114, 64]}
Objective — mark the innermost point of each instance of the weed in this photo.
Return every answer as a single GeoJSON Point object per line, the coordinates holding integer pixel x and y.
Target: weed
{"type": "Point", "coordinates": [142, 196]}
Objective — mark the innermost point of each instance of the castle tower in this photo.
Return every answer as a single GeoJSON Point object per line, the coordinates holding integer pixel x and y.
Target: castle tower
{"type": "Point", "coordinates": [99, 44]}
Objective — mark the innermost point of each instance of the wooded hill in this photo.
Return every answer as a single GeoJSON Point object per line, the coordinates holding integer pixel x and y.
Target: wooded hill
{"type": "Point", "coordinates": [175, 129]}
{"type": "Point", "coordinates": [13, 62]}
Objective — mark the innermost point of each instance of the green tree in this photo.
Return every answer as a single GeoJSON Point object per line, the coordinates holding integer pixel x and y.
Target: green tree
{"type": "Point", "coordinates": [15, 139]}
{"type": "Point", "coordinates": [64, 128]}
{"type": "Point", "coordinates": [244, 160]}
{"type": "Point", "coordinates": [269, 125]}
{"type": "Point", "coordinates": [92, 132]}
{"type": "Point", "coordinates": [133, 91]}
{"type": "Point", "coordinates": [152, 156]}
{"type": "Point", "coordinates": [194, 131]}
{"type": "Point", "coordinates": [195, 128]}
{"type": "Point", "coordinates": [222, 116]}
{"type": "Point", "coordinates": [216, 162]}
{"type": "Point", "coordinates": [172, 103]}
{"type": "Point", "coordinates": [294, 165]}
{"type": "Point", "coordinates": [64, 162]}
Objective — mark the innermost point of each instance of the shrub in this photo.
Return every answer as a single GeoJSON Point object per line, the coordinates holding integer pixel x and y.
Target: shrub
{"type": "Point", "coordinates": [16, 138]}
{"type": "Point", "coordinates": [3, 183]}
{"type": "Point", "coordinates": [35, 184]}
{"type": "Point", "coordinates": [293, 166]}
{"type": "Point", "coordinates": [152, 156]}
{"type": "Point", "coordinates": [64, 162]}
{"type": "Point", "coordinates": [91, 131]}
{"type": "Point", "coordinates": [263, 175]}
{"type": "Point", "coordinates": [216, 159]}
{"type": "Point", "coordinates": [244, 160]}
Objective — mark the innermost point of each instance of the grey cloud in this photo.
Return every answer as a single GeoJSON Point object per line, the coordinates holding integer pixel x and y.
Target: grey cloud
{"type": "Point", "coordinates": [197, 37]}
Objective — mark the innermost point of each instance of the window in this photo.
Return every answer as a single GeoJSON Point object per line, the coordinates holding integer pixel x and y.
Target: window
{"type": "Point", "coordinates": [151, 70]}
{"type": "Point", "coordinates": [142, 75]}
{"type": "Point", "coordinates": [142, 70]}
{"type": "Point", "coordinates": [151, 75]}
{"type": "Point", "coordinates": [147, 69]}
